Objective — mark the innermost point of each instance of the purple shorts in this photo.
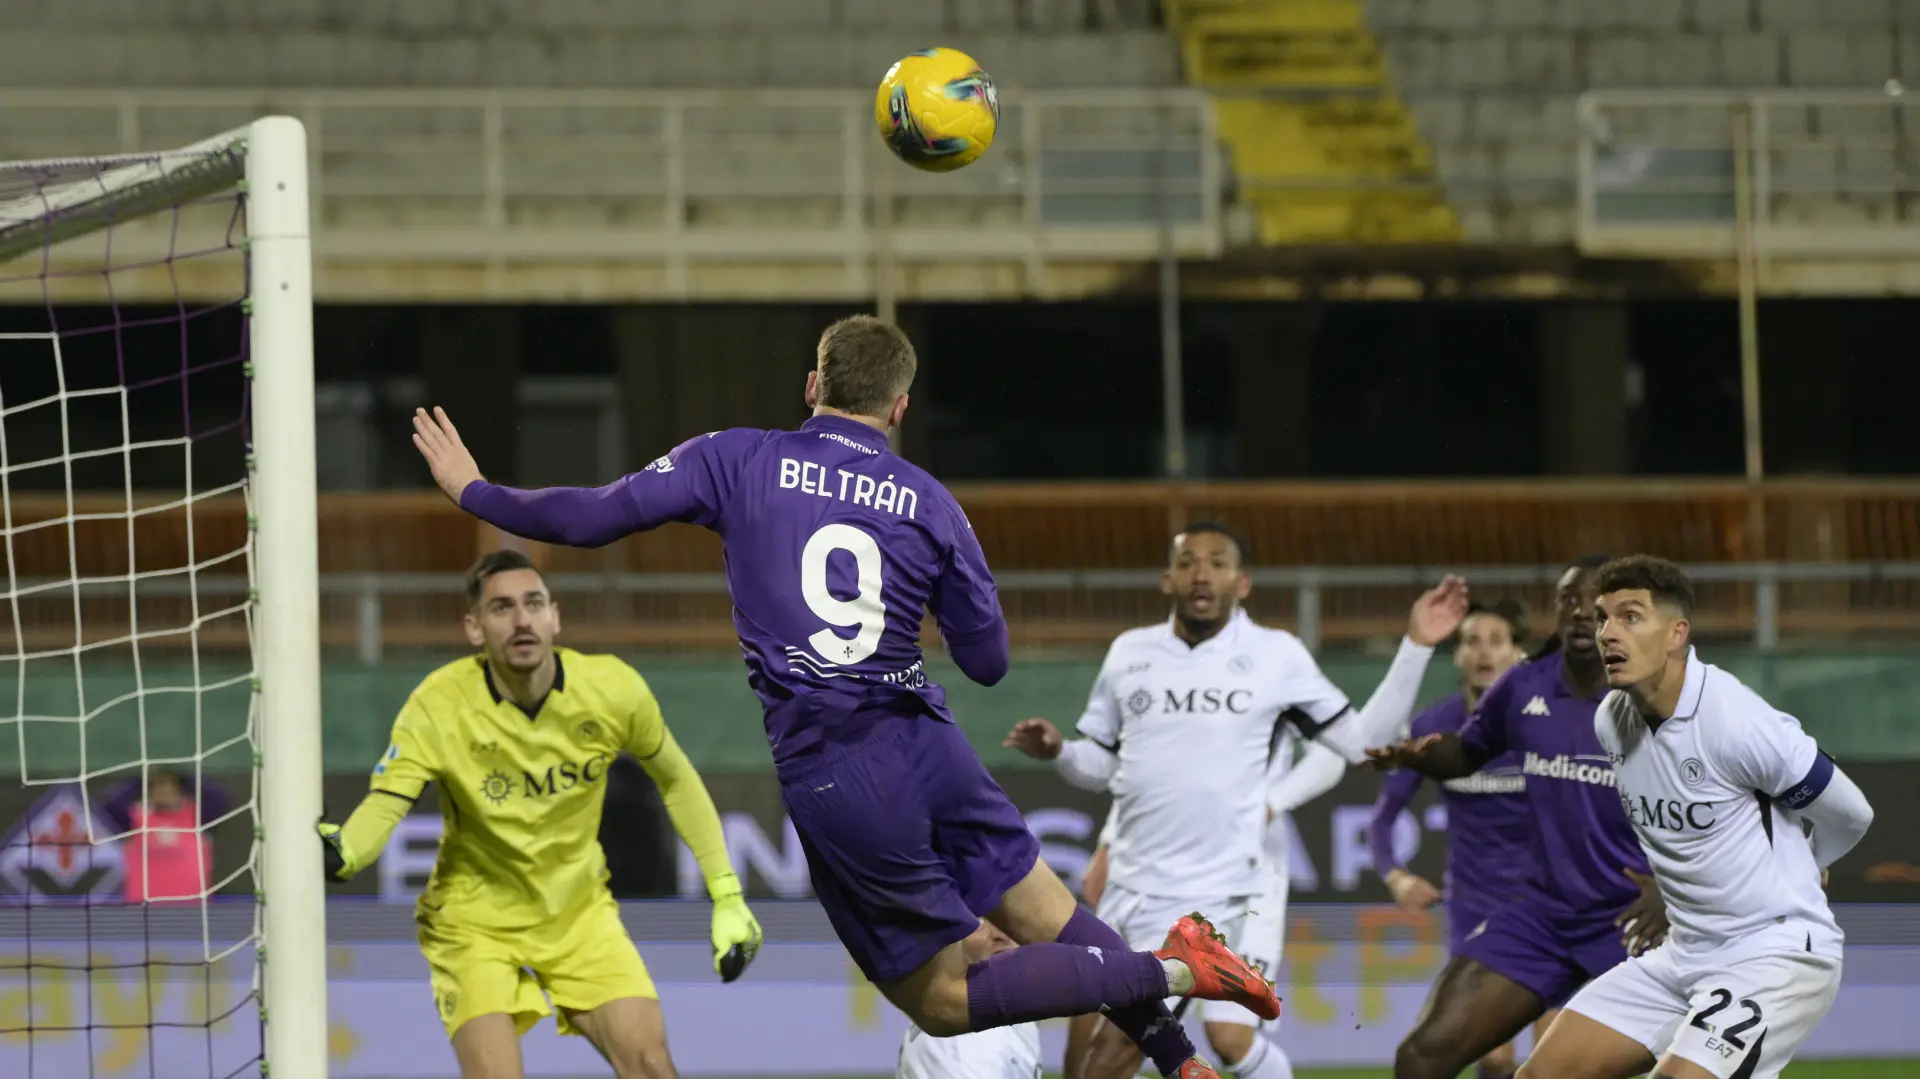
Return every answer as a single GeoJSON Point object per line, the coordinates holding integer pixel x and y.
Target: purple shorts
{"type": "Point", "coordinates": [909, 841]}
{"type": "Point", "coordinates": [1465, 911]}
{"type": "Point", "coordinates": [1550, 953]}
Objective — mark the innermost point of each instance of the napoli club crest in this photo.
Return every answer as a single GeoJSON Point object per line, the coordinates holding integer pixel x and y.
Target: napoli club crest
{"type": "Point", "coordinates": [1139, 701]}
{"type": "Point", "coordinates": [1692, 772]}
{"type": "Point", "coordinates": [1240, 664]}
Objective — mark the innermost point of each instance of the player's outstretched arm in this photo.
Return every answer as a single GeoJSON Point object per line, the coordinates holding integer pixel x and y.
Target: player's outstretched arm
{"type": "Point", "coordinates": [1436, 756]}
{"type": "Point", "coordinates": [1434, 617]}
{"type": "Point", "coordinates": [736, 933]}
{"type": "Point", "coordinates": [351, 847]}
{"type": "Point", "coordinates": [1082, 762]}
{"type": "Point", "coordinates": [412, 761]}
{"type": "Point", "coordinates": [688, 484]}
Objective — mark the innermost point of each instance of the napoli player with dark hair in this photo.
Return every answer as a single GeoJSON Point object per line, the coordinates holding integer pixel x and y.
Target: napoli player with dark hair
{"type": "Point", "coordinates": [1589, 876]}
{"type": "Point", "coordinates": [1489, 827]}
{"type": "Point", "coordinates": [834, 547]}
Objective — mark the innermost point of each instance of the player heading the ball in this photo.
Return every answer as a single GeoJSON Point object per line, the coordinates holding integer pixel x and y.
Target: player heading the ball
{"type": "Point", "coordinates": [834, 546]}
{"type": "Point", "coordinates": [518, 738]}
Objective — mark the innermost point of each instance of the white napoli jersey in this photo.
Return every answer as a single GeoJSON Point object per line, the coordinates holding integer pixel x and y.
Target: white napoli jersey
{"type": "Point", "coordinates": [1011, 1052]}
{"type": "Point", "coordinates": [1196, 728]}
{"type": "Point", "coordinates": [1711, 793]}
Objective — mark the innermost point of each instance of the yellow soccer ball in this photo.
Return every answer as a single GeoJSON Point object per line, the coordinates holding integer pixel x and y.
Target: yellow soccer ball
{"type": "Point", "coordinates": [937, 110]}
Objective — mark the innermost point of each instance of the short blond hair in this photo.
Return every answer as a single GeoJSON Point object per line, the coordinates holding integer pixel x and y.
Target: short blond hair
{"type": "Point", "coordinates": [865, 364]}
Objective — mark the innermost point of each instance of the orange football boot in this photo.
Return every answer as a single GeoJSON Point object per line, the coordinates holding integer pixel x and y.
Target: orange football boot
{"type": "Point", "coordinates": [1218, 974]}
{"type": "Point", "coordinates": [1197, 1069]}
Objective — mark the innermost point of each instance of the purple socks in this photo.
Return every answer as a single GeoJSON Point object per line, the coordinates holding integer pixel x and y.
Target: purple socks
{"type": "Point", "coordinates": [1088, 969]}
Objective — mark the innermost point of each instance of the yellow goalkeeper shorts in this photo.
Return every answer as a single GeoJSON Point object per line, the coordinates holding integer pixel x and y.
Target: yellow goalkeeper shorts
{"type": "Point", "coordinates": [579, 963]}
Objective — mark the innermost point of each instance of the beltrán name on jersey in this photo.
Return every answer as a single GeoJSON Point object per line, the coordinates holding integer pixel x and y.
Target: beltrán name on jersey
{"type": "Point", "coordinates": [1568, 766]}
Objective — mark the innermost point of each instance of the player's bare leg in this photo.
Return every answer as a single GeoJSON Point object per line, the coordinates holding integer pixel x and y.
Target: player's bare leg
{"type": "Point", "coordinates": [1081, 1030]}
{"type": "Point", "coordinates": [1502, 1061]}
{"type": "Point", "coordinates": [1471, 1011]}
{"type": "Point", "coordinates": [1578, 1047]}
{"type": "Point", "coordinates": [1111, 1055]}
{"type": "Point", "coordinates": [1070, 962]}
{"type": "Point", "coordinates": [1497, 1064]}
{"type": "Point", "coordinates": [488, 1047]}
{"type": "Point", "coordinates": [632, 1034]}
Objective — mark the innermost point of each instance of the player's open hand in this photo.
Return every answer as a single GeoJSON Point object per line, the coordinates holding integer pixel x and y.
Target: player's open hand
{"type": "Point", "coordinates": [736, 932]}
{"type": "Point", "coordinates": [1401, 754]}
{"type": "Point", "coordinates": [1644, 924]}
{"type": "Point", "coordinates": [1438, 612]}
{"type": "Point", "coordinates": [437, 440]}
{"type": "Point", "coordinates": [1036, 738]}
{"type": "Point", "coordinates": [1412, 892]}
{"type": "Point", "coordinates": [339, 863]}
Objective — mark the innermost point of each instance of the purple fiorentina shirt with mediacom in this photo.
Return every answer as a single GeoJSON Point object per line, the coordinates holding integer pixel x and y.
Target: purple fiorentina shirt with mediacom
{"type": "Point", "coordinates": [1560, 932]}
{"type": "Point", "coordinates": [1489, 826]}
{"type": "Point", "coordinates": [833, 547]}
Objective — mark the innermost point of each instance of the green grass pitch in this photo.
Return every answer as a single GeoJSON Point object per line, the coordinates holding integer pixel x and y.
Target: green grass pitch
{"type": "Point", "coordinates": [1812, 1069]}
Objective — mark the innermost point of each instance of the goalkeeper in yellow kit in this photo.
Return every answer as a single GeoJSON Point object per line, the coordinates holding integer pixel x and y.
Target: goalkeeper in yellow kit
{"type": "Point", "coordinates": [518, 739]}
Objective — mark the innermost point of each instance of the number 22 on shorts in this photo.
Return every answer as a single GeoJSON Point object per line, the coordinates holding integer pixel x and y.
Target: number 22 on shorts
{"type": "Point", "coordinates": [1731, 1040]}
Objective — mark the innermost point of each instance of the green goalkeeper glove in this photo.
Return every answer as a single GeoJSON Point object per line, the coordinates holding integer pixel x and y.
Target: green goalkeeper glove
{"type": "Point", "coordinates": [340, 864]}
{"type": "Point", "coordinates": [736, 935]}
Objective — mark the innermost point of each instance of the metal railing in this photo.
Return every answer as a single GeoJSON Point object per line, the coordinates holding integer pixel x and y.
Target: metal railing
{"type": "Point", "coordinates": [365, 614]}
{"type": "Point", "coordinates": [408, 183]}
{"type": "Point", "coordinates": [1811, 173]}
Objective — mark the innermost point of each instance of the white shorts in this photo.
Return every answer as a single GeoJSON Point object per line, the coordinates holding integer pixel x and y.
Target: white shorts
{"type": "Point", "coordinates": [1254, 928]}
{"type": "Point", "coordinates": [1738, 1015]}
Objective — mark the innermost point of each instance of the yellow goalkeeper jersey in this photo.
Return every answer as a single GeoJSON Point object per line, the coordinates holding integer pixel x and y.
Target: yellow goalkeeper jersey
{"type": "Point", "coordinates": [521, 794]}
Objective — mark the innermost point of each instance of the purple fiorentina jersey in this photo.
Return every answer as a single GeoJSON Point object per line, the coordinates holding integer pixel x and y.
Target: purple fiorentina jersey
{"type": "Point", "coordinates": [834, 546]}
{"type": "Point", "coordinates": [1489, 823]}
{"type": "Point", "coordinates": [1583, 842]}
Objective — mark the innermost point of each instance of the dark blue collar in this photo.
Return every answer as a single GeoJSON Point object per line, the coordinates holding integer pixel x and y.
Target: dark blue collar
{"type": "Point", "coordinates": [864, 434]}
{"type": "Point", "coordinates": [559, 683]}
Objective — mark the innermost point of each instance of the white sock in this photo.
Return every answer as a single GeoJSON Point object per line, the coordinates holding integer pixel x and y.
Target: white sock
{"type": "Point", "coordinates": [1265, 1060]}
{"type": "Point", "coordinates": [1179, 977]}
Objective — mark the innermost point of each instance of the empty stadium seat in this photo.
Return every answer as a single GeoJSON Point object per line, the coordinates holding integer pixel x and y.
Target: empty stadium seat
{"type": "Point", "coordinates": [1492, 84]}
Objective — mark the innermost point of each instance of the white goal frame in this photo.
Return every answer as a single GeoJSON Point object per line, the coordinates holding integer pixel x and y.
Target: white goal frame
{"type": "Point", "coordinates": [287, 605]}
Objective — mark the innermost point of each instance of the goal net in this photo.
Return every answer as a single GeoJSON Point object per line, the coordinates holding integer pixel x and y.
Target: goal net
{"type": "Point", "coordinates": [159, 743]}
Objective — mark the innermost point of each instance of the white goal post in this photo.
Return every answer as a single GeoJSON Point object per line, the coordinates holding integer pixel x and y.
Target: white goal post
{"type": "Point", "coordinates": [287, 597]}
{"type": "Point", "coordinates": [151, 453]}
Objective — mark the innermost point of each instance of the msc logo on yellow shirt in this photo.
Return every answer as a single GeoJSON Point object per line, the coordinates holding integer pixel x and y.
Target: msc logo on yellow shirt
{"type": "Point", "coordinates": [560, 778]}
{"type": "Point", "coordinates": [567, 775]}
{"type": "Point", "coordinates": [496, 788]}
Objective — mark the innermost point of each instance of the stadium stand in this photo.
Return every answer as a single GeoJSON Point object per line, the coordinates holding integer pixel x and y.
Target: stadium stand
{"type": "Point", "coordinates": [673, 135]}
{"type": "Point", "coordinates": [1075, 562]}
{"type": "Point", "coordinates": [1323, 149]}
{"type": "Point", "coordinates": [796, 44]}
{"type": "Point", "coordinates": [1494, 84]}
